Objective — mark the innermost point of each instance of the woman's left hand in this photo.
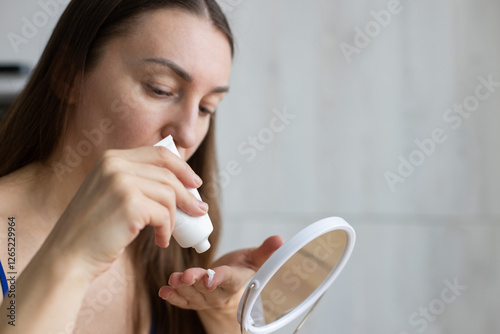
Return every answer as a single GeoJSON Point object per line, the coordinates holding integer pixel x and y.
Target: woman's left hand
{"type": "Point", "coordinates": [218, 299]}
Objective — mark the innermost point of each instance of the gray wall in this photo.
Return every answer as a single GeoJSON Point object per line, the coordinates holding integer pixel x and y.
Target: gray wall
{"type": "Point", "coordinates": [353, 120]}
{"type": "Point", "coordinates": [355, 117]}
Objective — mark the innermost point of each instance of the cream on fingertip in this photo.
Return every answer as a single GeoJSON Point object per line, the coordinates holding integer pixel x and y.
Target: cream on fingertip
{"type": "Point", "coordinates": [211, 275]}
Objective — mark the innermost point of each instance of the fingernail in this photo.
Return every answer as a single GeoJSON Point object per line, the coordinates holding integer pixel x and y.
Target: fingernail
{"type": "Point", "coordinates": [165, 295]}
{"type": "Point", "coordinates": [197, 180]}
{"type": "Point", "coordinates": [203, 206]}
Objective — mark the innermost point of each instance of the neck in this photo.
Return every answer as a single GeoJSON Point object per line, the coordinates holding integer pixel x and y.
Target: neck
{"type": "Point", "coordinates": [47, 193]}
{"type": "Point", "coordinates": [55, 181]}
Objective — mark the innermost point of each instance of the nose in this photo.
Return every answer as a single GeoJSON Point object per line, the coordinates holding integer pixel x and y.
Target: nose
{"type": "Point", "coordinates": [182, 123]}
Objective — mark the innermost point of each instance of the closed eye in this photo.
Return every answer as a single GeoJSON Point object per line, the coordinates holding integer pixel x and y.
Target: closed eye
{"type": "Point", "coordinates": [206, 111]}
{"type": "Point", "coordinates": [159, 92]}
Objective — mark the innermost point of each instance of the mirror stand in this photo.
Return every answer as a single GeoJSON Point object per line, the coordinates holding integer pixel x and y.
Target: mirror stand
{"type": "Point", "coordinates": [247, 292]}
{"type": "Point", "coordinates": [307, 315]}
{"type": "Point", "coordinates": [299, 327]}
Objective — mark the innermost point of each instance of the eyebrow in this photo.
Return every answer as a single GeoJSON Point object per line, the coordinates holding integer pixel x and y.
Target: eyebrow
{"type": "Point", "coordinates": [182, 72]}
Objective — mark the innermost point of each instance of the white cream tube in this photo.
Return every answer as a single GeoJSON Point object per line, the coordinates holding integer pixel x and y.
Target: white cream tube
{"type": "Point", "coordinates": [189, 231]}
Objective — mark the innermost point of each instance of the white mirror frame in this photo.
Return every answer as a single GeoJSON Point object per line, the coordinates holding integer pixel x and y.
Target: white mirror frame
{"type": "Point", "coordinates": [280, 257]}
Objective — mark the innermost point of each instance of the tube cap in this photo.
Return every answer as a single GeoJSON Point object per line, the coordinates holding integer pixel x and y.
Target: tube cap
{"type": "Point", "coordinates": [202, 247]}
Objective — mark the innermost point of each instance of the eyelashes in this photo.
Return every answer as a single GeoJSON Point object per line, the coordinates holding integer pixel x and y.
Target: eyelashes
{"type": "Point", "coordinates": [160, 93]}
{"type": "Point", "coordinates": [206, 111]}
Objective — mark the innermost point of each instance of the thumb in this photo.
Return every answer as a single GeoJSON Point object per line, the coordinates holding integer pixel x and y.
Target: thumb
{"type": "Point", "coordinates": [260, 254]}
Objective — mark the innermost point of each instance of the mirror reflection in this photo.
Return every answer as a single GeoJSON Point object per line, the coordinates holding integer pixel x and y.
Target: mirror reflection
{"type": "Point", "coordinates": [299, 277]}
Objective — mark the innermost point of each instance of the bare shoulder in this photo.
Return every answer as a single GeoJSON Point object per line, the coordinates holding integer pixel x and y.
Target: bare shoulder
{"type": "Point", "coordinates": [9, 208]}
{"type": "Point", "coordinates": [19, 237]}
{"type": "Point", "coordinates": [8, 245]}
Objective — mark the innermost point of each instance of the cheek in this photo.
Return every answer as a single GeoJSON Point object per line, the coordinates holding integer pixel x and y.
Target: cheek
{"type": "Point", "coordinates": [123, 107]}
{"type": "Point", "coordinates": [128, 109]}
{"type": "Point", "coordinates": [135, 119]}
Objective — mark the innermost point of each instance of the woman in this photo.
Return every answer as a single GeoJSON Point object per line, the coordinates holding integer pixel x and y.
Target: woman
{"type": "Point", "coordinates": [94, 202]}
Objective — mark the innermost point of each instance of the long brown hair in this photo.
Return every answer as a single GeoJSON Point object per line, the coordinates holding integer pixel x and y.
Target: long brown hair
{"type": "Point", "coordinates": [36, 122]}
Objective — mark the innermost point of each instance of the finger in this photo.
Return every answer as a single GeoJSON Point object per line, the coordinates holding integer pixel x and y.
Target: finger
{"type": "Point", "coordinates": [186, 297]}
{"type": "Point", "coordinates": [193, 296]}
{"type": "Point", "coordinates": [188, 277]}
{"type": "Point", "coordinates": [260, 254]}
{"type": "Point", "coordinates": [159, 216]}
{"type": "Point", "coordinates": [201, 286]}
{"type": "Point", "coordinates": [170, 295]}
{"type": "Point", "coordinates": [213, 297]}
{"type": "Point", "coordinates": [175, 280]}
{"type": "Point", "coordinates": [140, 211]}
{"type": "Point", "coordinates": [209, 289]}
{"type": "Point", "coordinates": [223, 279]}
{"type": "Point", "coordinates": [161, 157]}
{"type": "Point", "coordinates": [148, 179]}
{"type": "Point", "coordinates": [162, 200]}
{"type": "Point", "coordinates": [227, 285]}
{"type": "Point", "coordinates": [165, 292]}
{"type": "Point", "coordinates": [192, 275]}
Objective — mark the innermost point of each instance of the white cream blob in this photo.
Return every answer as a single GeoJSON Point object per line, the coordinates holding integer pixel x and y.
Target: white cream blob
{"type": "Point", "coordinates": [210, 274]}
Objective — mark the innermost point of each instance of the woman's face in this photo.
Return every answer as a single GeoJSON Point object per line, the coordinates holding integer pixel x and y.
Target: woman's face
{"type": "Point", "coordinates": [166, 76]}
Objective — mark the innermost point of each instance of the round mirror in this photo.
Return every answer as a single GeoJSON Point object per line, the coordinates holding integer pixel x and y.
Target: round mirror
{"type": "Point", "coordinates": [296, 276]}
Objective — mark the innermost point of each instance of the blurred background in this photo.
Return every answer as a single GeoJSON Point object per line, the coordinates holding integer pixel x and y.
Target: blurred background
{"type": "Point", "coordinates": [382, 112]}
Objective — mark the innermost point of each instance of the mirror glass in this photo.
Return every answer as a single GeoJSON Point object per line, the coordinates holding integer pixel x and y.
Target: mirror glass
{"type": "Point", "coordinates": [299, 277]}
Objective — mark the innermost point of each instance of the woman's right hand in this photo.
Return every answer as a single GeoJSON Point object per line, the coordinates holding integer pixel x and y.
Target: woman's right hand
{"type": "Point", "coordinates": [125, 191]}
